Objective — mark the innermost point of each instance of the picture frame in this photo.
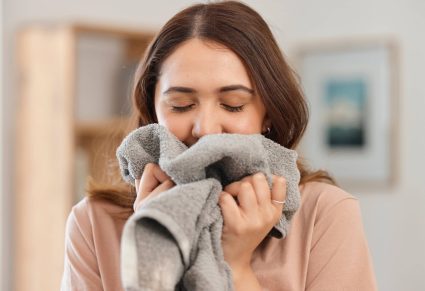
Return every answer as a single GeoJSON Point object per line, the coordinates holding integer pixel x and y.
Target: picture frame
{"type": "Point", "coordinates": [351, 89]}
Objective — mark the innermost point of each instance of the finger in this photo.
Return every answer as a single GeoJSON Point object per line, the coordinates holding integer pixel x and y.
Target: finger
{"type": "Point", "coordinates": [139, 196]}
{"type": "Point", "coordinates": [229, 208]}
{"type": "Point", "coordinates": [278, 190]}
{"type": "Point", "coordinates": [166, 185]}
{"type": "Point", "coordinates": [152, 176]}
{"type": "Point", "coordinates": [136, 184]}
{"type": "Point", "coordinates": [246, 197]}
{"type": "Point", "coordinates": [137, 202]}
{"type": "Point", "coordinates": [261, 188]}
{"type": "Point", "coordinates": [233, 188]}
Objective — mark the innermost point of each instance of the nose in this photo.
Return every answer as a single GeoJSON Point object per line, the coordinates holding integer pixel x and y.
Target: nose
{"type": "Point", "coordinates": [206, 122]}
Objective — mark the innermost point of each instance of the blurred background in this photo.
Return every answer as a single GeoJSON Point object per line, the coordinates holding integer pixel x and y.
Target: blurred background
{"type": "Point", "coordinates": [65, 72]}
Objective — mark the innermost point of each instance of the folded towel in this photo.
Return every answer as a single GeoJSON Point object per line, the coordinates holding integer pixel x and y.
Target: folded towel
{"type": "Point", "coordinates": [173, 241]}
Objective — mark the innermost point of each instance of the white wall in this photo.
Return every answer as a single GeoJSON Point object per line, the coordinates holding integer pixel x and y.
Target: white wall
{"type": "Point", "coordinates": [394, 220]}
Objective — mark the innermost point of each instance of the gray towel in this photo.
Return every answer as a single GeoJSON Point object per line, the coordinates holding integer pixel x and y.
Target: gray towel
{"type": "Point", "coordinates": [173, 241]}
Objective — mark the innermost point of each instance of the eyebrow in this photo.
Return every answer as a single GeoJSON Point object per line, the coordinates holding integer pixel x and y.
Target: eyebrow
{"type": "Point", "coordinates": [224, 89]}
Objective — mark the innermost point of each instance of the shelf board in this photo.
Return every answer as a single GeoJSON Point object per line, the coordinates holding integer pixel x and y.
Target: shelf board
{"type": "Point", "coordinates": [101, 129]}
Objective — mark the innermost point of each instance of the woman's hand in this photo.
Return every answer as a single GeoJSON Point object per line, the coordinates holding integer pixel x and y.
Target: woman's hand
{"type": "Point", "coordinates": [249, 217]}
{"type": "Point", "coordinates": [152, 182]}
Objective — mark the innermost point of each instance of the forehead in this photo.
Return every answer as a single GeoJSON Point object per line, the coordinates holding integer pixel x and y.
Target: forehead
{"type": "Point", "coordinates": [198, 60]}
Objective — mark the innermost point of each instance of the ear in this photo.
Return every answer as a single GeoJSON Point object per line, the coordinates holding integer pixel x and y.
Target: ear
{"type": "Point", "coordinates": [267, 123]}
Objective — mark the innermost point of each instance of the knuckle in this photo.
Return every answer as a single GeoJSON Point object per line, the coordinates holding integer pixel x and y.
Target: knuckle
{"type": "Point", "coordinates": [259, 176]}
{"type": "Point", "coordinates": [239, 229]}
{"type": "Point", "coordinates": [149, 167]}
{"type": "Point", "coordinates": [231, 185]}
{"type": "Point", "coordinates": [223, 198]}
{"type": "Point", "coordinates": [281, 179]}
{"type": "Point", "coordinates": [256, 225]}
{"type": "Point", "coordinates": [245, 185]}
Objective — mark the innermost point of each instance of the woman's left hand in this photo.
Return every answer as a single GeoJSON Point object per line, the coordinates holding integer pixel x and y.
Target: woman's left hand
{"type": "Point", "coordinates": [249, 217]}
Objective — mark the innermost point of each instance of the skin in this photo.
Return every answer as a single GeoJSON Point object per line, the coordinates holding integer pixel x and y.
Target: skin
{"type": "Point", "coordinates": [204, 88]}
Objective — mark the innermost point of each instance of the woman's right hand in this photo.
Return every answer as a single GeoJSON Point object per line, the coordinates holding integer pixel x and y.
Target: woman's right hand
{"type": "Point", "coordinates": [152, 182]}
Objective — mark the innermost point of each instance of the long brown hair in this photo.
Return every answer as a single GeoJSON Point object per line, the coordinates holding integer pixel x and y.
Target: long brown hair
{"type": "Point", "coordinates": [243, 30]}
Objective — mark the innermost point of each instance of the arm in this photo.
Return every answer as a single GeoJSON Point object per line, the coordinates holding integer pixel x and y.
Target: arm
{"type": "Point", "coordinates": [81, 271]}
{"type": "Point", "coordinates": [339, 257]}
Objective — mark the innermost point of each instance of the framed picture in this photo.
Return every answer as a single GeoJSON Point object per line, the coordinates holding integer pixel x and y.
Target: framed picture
{"type": "Point", "coordinates": [351, 91]}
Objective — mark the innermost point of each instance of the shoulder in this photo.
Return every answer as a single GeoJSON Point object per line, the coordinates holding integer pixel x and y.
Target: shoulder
{"type": "Point", "coordinates": [324, 194]}
{"type": "Point", "coordinates": [322, 200]}
{"type": "Point", "coordinates": [330, 216]}
{"type": "Point", "coordinates": [92, 244]}
{"type": "Point", "coordinates": [330, 225]}
{"type": "Point", "coordinates": [89, 214]}
{"type": "Point", "coordinates": [88, 207]}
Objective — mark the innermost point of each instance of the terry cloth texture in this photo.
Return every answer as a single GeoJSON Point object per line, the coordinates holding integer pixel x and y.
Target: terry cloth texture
{"type": "Point", "coordinates": [173, 241]}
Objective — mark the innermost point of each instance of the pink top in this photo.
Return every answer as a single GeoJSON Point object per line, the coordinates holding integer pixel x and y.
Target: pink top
{"type": "Point", "coordinates": [325, 249]}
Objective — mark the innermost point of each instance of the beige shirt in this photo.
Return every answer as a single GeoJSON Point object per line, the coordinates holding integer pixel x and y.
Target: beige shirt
{"type": "Point", "coordinates": [325, 249]}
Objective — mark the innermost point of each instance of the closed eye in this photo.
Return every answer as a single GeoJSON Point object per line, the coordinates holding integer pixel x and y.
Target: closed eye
{"type": "Point", "coordinates": [233, 108]}
{"type": "Point", "coordinates": [188, 107]}
{"type": "Point", "coordinates": [181, 108]}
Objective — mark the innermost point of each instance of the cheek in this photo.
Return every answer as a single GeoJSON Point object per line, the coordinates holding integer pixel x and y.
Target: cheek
{"type": "Point", "coordinates": [176, 124]}
{"type": "Point", "coordinates": [247, 124]}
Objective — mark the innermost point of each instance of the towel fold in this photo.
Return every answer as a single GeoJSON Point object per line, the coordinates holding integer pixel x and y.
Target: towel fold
{"type": "Point", "coordinates": [173, 241]}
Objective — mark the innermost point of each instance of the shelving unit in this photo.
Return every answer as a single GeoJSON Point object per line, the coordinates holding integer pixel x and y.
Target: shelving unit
{"type": "Point", "coordinates": [73, 95]}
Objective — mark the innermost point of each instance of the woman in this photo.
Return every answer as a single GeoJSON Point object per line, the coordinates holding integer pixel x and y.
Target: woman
{"type": "Point", "coordinates": [216, 68]}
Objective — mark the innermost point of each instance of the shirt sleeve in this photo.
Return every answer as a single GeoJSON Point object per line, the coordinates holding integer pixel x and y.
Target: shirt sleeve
{"type": "Point", "coordinates": [81, 270]}
{"type": "Point", "coordinates": [339, 255]}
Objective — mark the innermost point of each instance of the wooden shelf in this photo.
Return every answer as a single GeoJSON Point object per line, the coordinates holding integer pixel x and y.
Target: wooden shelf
{"type": "Point", "coordinates": [100, 129]}
{"type": "Point", "coordinates": [50, 138]}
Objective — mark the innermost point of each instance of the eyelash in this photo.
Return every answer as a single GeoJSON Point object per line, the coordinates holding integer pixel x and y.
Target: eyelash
{"type": "Point", "coordinates": [186, 108]}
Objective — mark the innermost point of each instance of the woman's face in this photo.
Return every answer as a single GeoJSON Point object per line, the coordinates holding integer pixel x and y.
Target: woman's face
{"type": "Point", "coordinates": [203, 88]}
